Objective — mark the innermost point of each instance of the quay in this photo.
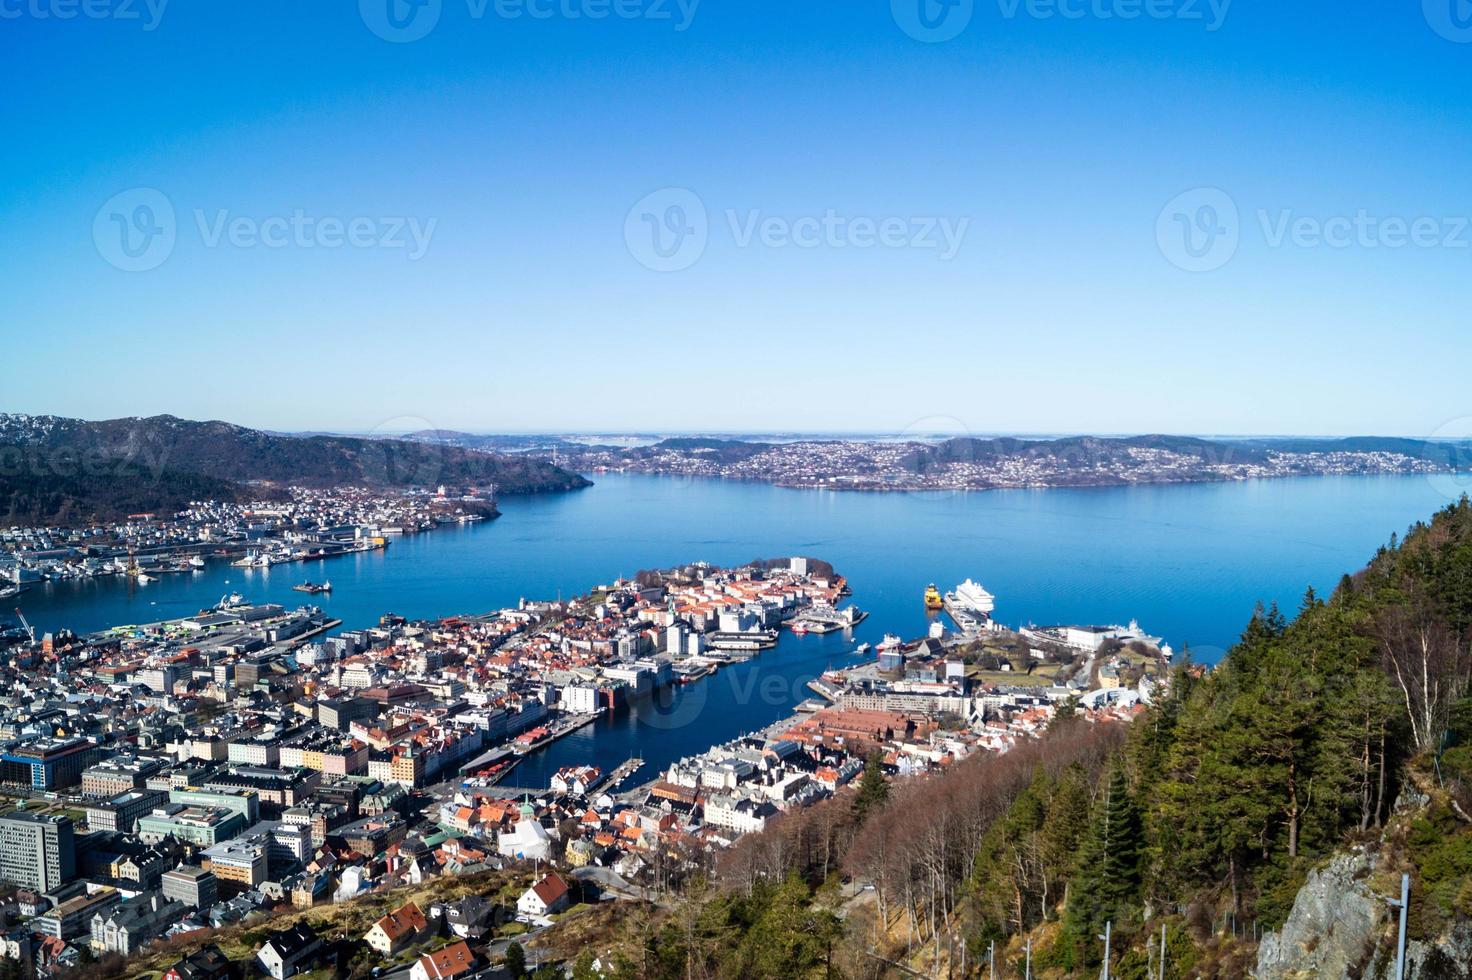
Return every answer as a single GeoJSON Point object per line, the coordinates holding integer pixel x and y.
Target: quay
{"type": "Point", "coordinates": [559, 729]}
{"type": "Point", "coordinates": [625, 769]}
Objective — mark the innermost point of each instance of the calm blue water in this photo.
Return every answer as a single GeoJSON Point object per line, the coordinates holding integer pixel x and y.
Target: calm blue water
{"type": "Point", "coordinates": [1189, 562]}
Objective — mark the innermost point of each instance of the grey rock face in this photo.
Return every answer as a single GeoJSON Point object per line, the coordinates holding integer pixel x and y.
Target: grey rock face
{"type": "Point", "coordinates": [1333, 928]}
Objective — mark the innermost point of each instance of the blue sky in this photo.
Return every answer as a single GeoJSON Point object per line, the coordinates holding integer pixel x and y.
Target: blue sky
{"type": "Point", "coordinates": [505, 175]}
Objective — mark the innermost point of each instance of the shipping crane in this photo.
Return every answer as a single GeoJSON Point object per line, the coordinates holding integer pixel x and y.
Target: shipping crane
{"type": "Point", "coordinates": [30, 630]}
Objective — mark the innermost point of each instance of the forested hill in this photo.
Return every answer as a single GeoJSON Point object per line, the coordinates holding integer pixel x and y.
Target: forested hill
{"type": "Point", "coordinates": [1347, 729]}
{"type": "Point", "coordinates": [57, 469]}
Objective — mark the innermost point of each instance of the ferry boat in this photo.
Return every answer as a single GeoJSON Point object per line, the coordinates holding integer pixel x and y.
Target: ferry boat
{"type": "Point", "coordinates": [312, 588]}
{"type": "Point", "coordinates": [890, 642]}
{"type": "Point", "coordinates": [933, 600]}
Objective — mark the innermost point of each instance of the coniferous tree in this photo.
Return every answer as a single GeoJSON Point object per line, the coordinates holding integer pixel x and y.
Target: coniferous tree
{"type": "Point", "coordinates": [873, 788]}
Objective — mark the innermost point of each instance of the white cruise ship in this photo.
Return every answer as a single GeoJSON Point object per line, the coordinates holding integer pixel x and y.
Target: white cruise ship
{"type": "Point", "coordinates": [971, 596]}
{"type": "Point", "coordinates": [970, 606]}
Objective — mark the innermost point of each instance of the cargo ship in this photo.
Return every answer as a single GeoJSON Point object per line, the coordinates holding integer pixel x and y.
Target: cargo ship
{"type": "Point", "coordinates": [933, 600]}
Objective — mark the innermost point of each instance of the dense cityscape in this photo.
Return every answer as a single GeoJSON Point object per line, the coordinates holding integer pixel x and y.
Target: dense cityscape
{"type": "Point", "coordinates": [192, 778]}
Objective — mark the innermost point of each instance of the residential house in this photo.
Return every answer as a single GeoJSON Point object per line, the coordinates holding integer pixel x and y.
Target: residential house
{"type": "Point", "coordinates": [400, 929]}
{"type": "Point", "coordinates": [205, 964]}
{"type": "Point", "coordinates": [454, 960]}
{"type": "Point", "coordinates": [546, 897]}
{"type": "Point", "coordinates": [289, 951]}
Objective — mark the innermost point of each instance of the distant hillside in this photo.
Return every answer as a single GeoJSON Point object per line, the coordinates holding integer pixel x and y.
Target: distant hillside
{"type": "Point", "coordinates": [59, 466]}
{"type": "Point", "coordinates": [37, 488]}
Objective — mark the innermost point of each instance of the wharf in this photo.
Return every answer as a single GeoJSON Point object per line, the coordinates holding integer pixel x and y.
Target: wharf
{"type": "Point", "coordinates": [559, 729]}
{"type": "Point", "coordinates": [624, 771]}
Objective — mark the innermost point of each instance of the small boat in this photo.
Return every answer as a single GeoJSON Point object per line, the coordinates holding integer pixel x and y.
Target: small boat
{"type": "Point", "coordinates": [862, 648]}
{"type": "Point", "coordinates": [196, 562]}
{"type": "Point", "coordinates": [312, 588]}
{"type": "Point", "coordinates": [800, 627]}
{"type": "Point", "coordinates": [143, 578]}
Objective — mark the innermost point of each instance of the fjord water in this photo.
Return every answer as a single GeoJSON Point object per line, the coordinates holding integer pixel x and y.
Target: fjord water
{"type": "Point", "coordinates": [1188, 561]}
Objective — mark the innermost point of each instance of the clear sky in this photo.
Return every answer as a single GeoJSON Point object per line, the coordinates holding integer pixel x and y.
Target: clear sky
{"type": "Point", "coordinates": [739, 214]}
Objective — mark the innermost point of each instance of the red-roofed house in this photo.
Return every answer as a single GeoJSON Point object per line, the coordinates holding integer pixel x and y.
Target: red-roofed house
{"type": "Point", "coordinates": [399, 929]}
{"type": "Point", "coordinates": [455, 960]}
{"type": "Point", "coordinates": [545, 897]}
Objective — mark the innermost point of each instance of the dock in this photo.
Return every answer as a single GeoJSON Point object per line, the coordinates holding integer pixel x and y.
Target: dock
{"type": "Point", "coordinates": [623, 771]}
{"type": "Point", "coordinates": [560, 728]}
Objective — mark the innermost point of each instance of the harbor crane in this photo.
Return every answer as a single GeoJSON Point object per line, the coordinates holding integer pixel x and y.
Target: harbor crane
{"type": "Point", "coordinates": [30, 630]}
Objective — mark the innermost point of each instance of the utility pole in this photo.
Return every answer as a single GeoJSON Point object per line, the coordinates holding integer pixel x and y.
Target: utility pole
{"type": "Point", "coordinates": [991, 959]}
{"type": "Point", "coordinates": [1400, 946]}
{"type": "Point", "coordinates": [1107, 931]}
{"type": "Point", "coordinates": [1028, 975]}
{"type": "Point", "coordinates": [1162, 951]}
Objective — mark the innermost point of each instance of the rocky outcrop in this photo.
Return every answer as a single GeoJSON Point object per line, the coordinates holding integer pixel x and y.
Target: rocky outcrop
{"type": "Point", "coordinates": [1334, 927]}
{"type": "Point", "coordinates": [1340, 929]}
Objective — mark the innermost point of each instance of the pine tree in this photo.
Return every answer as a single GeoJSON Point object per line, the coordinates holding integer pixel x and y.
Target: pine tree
{"type": "Point", "coordinates": [516, 961]}
{"type": "Point", "coordinates": [873, 788]}
{"type": "Point", "coordinates": [1106, 887]}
